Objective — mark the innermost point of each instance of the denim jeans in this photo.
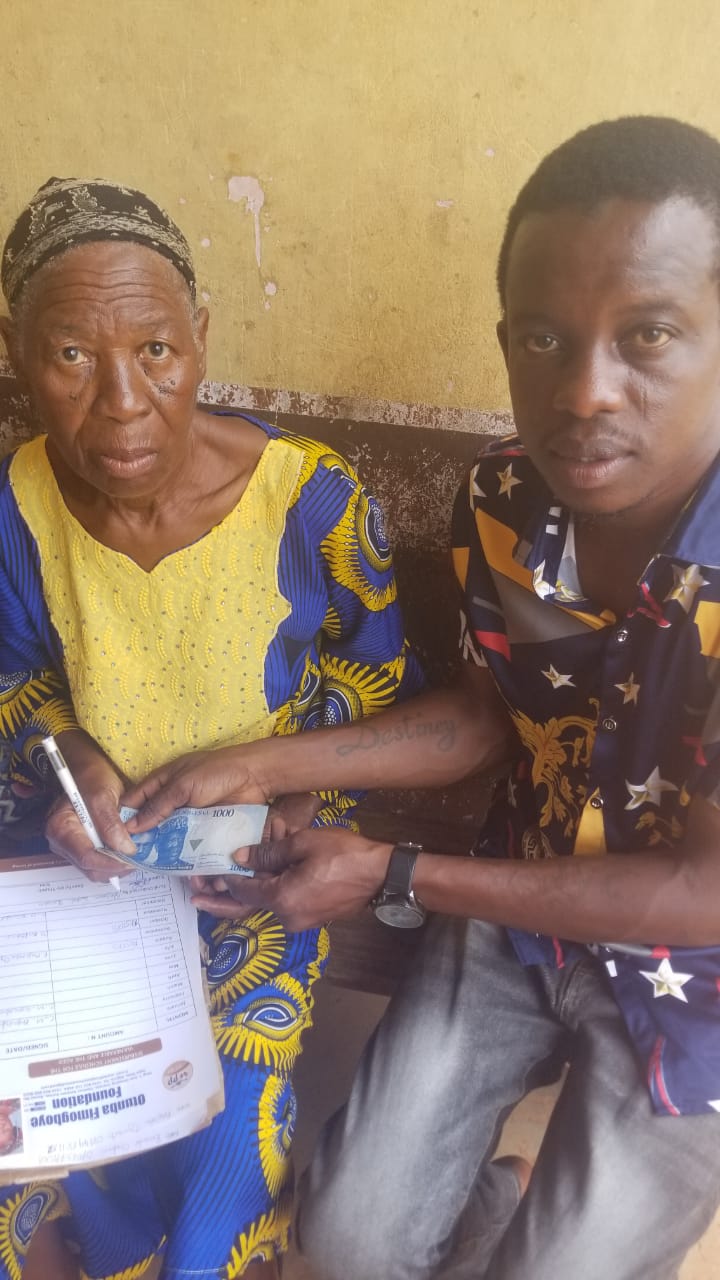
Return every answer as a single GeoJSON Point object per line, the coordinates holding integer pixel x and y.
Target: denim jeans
{"type": "Point", "coordinates": [403, 1186]}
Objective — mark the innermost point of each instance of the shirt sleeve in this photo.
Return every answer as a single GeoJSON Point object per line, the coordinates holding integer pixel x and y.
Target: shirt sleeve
{"type": "Point", "coordinates": [364, 662]}
{"type": "Point", "coordinates": [703, 777]}
{"type": "Point", "coordinates": [34, 697]}
{"type": "Point", "coordinates": [465, 549]}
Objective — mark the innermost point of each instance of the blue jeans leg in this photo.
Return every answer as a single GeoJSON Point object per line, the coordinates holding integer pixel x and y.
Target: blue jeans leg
{"type": "Point", "coordinates": [403, 1186]}
{"type": "Point", "coordinates": [618, 1192]}
{"type": "Point", "coordinates": [463, 1040]}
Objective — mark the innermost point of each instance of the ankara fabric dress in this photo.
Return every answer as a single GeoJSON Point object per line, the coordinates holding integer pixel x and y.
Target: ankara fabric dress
{"type": "Point", "coordinates": [282, 618]}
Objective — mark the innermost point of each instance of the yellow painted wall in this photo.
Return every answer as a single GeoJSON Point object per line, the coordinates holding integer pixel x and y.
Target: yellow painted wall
{"type": "Point", "coordinates": [387, 136]}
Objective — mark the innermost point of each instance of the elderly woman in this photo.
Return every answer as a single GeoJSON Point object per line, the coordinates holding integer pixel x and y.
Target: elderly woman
{"type": "Point", "coordinates": [173, 579]}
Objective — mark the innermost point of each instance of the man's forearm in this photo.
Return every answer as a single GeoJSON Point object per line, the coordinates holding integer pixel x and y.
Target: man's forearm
{"type": "Point", "coordinates": [639, 897]}
{"type": "Point", "coordinates": [435, 739]}
{"type": "Point", "coordinates": [667, 897]}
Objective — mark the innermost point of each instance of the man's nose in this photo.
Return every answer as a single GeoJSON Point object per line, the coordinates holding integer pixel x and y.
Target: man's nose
{"type": "Point", "coordinates": [121, 389]}
{"type": "Point", "coordinates": [590, 382]}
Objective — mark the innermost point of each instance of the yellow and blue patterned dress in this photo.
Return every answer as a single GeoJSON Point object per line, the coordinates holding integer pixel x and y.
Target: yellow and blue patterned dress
{"type": "Point", "coordinates": [282, 618]}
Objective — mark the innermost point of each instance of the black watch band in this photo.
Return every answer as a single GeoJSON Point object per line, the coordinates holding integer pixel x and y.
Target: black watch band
{"type": "Point", "coordinates": [401, 869]}
{"type": "Point", "coordinates": [396, 903]}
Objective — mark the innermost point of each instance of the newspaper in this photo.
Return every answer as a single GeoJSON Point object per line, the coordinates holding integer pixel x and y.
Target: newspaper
{"type": "Point", "coordinates": [198, 842]}
{"type": "Point", "coordinates": [106, 1047]}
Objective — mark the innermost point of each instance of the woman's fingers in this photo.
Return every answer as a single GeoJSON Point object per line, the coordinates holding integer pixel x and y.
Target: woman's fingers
{"type": "Point", "coordinates": [113, 833]}
{"type": "Point", "coordinates": [68, 838]}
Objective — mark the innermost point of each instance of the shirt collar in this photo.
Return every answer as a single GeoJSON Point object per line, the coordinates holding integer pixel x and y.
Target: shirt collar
{"type": "Point", "coordinates": [695, 537]}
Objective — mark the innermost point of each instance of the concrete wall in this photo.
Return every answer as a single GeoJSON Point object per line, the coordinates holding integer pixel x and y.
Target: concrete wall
{"type": "Point", "coordinates": [342, 167]}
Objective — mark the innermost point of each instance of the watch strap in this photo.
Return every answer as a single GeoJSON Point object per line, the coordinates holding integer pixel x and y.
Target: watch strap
{"type": "Point", "coordinates": [401, 868]}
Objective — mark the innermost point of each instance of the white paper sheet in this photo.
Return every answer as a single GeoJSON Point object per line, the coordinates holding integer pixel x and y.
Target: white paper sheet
{"type": "Point", "coordinates": [105, 1041]}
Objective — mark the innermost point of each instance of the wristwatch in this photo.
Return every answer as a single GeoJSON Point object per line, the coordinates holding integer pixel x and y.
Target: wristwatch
{"type": "Point", "coordinates": [396, 903]}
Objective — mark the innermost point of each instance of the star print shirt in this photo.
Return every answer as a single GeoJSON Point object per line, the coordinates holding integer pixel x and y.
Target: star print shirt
{"type": "Point", "coordinates": [619, 725]}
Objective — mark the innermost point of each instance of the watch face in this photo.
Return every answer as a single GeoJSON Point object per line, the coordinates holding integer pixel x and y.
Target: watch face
{"type": "Point", "coordinates": [401, 914]}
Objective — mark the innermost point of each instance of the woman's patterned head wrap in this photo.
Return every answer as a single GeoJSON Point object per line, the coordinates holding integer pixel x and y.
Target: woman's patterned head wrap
{"type": "Point", "coordinates": [67, 212]}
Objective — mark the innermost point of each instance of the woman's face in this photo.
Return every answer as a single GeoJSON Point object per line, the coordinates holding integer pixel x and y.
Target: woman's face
{"type": "Point", "coordinates": [112, 356]}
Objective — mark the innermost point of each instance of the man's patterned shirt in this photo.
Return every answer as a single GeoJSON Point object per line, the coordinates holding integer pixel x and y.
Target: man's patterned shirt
{"type": "Point", "coordinates": [619, 725]}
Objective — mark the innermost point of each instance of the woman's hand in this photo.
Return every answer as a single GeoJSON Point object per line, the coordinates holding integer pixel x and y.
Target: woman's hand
{"type": "Point", "coordinates": [227, 775]}
{"type": "Point", "coordinates": [292, 813]}
{"type": "Point", "coordinates": [101, 787]}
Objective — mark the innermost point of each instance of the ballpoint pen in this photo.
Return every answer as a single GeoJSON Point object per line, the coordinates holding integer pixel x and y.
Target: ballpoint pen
{"type": "Point", "coordinates": [72, 791]}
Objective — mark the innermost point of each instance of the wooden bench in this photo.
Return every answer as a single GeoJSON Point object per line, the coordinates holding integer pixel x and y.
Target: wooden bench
{"type": "Point", "coordinates": [414, 471]}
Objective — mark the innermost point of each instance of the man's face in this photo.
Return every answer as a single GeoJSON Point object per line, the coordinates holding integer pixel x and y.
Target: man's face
{"type": "Point", "coordinates": [612, 344]}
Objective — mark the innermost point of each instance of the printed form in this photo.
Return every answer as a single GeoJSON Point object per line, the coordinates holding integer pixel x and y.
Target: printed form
{"type": "Point", "coordinates": [106, 1047]}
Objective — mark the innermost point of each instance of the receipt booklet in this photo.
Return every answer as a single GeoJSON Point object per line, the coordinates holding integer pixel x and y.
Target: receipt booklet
{"type": "Point", "coordinates": [106, 1047]}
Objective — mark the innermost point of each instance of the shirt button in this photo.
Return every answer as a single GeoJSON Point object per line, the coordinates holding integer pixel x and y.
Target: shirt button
{"type": "Point", "coordinates": [610, 724]}
{"type": "Point", "coordinates": [622, 635]}
{"type": "Point", "coordinates": [596, 802]}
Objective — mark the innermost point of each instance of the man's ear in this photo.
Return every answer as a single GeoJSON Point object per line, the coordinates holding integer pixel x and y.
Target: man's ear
{"type": "Point", "coordinates": [502, 337]}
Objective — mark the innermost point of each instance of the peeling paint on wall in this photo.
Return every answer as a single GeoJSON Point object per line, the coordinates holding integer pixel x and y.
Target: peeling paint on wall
{"type": "Point", "coordinates": [267, 400]}
{"type": "Point", "coordinates": [249, 190]}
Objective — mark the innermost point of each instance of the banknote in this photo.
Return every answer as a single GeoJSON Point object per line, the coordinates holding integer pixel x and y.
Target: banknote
{"type": "Point", "coordinates": [197, 842]}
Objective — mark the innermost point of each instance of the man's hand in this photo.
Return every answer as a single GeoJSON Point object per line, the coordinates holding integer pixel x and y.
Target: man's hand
{"type": "Point", "coordinates": [311, 877]}
{"type": "Point", "coordinates": [285, 816]}
{"type": "Point", "coordinates": [100, 786]}
{"type": "Point", "coordinates": [228, 775]}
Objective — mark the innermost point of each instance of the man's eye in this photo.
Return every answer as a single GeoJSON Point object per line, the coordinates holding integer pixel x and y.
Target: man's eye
{"type": "Point", "coordinates": [651, 337]}
{"type": "Point", "coordinates": [157, 350]}
{"type": "Point", "coordinates": [540, 342]}
{"type": "Point", "coordinates": [72, 355]}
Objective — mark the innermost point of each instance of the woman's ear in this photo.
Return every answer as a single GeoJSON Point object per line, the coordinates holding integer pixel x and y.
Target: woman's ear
{"type": "Point", "coordinates": [9, 337]}
{"type": "Point", "coordinates": [201, 327]}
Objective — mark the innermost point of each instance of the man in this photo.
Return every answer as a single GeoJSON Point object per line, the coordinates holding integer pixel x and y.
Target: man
{"type": "Point", "coordinates": [588, 553]}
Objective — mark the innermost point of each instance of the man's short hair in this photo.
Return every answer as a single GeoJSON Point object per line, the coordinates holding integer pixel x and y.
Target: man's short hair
{"type": "Point", "coordinates": [643, 158]}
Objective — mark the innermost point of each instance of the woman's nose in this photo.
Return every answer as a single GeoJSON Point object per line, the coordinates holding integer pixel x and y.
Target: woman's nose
{"type": "Point", "coordinates": [121, 389]}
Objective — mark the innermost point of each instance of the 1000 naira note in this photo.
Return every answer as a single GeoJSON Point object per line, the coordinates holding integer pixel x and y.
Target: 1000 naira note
{"type": "Point", "coordinates": [197, 842]}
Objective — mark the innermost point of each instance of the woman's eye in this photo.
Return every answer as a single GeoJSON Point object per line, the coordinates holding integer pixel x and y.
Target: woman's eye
{"type": "Point", "coordinates": [157, 350]}
{"type": "Point", "coordinates": [540, 342]}
{"type": "Point", "coordinates": [72, 355]}
{"type": "Point", "coordinates": [651, 337]}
